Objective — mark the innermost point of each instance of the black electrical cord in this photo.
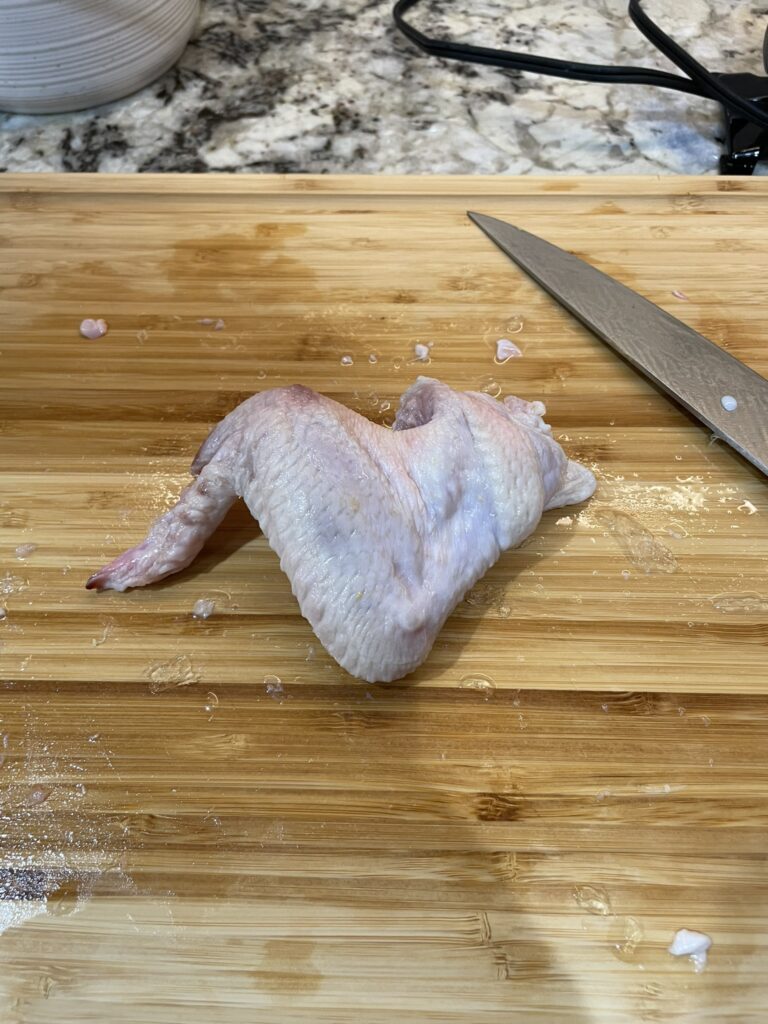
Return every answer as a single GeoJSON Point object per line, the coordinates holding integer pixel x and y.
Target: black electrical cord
{"type": "Point", "coordinates": [709, 84]}
{"type": "Point", "coordinates": [699, 83]}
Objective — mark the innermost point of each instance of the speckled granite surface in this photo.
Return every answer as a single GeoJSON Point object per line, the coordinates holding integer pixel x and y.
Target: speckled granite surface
{"type": "Point", "coordinates": [326, 86]}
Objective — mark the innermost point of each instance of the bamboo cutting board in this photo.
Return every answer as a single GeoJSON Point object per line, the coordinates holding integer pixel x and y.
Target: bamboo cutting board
{"type": "Point", "coordinates": [207, 819]}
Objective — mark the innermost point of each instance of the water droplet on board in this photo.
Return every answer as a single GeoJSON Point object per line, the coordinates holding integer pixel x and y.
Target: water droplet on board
{"type": "Point", "coordinates": [638, 543]}
{"type": "Point", "coordinates": [491, 387]}
{"type": "Point", "coordinates": [347, 360]}
{"type": "Point", "coordinates": [657, 789]}
{"type": "Point", "coordinates": [274, 687]}
{"type": "Point", "coordinates": [676, 530]}
{"type": "Point", "coordinates": [65, 900]}
{"type": "Point", "coordinates": [633, 934]}
{"type": "Point", "coordinates": [373, 358]}
{"type": "Point", "coordinates": [211, 701]}
{"type": "Point", "coordinates": [261, 374]}
{"type": "Point", "coordinates": [168, 674]}
{"type": "Point", "coordinates": [12, 584]}
{"type": "Point", "coordinates": [514, 325]}
{"type": "Point", "coordinates": [479, 682]}
{"type": "Point", "coordinates": [594, 899]}
{"type": "Point", "coordinates": [105, 634]}
{"type": "Point", "coordinates": [38, 795]}
{"type": "Point", "coordinates": [748, 602]}
{"type": "Point", "coordinates": [3, 613]}
{"type": "Point", "coordinates": [25, 550]}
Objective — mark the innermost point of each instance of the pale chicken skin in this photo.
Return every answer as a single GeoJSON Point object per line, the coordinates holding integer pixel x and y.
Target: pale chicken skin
{"type": "Point", "coordinates": [381, 532]}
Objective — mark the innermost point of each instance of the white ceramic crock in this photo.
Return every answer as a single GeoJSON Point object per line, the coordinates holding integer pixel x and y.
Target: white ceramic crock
{"type": "Point", "coordinates": [69, 54]}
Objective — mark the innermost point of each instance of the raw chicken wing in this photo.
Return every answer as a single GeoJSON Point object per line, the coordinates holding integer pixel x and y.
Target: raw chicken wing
{"type": "Point", "coordinates": [381, 532]}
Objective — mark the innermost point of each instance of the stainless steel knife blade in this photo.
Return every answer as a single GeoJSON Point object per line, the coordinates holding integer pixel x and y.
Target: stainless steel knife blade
{"type": "Point", "coordinates": [724, 393]}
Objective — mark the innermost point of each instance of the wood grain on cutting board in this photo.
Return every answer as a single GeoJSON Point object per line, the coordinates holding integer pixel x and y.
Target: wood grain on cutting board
{"type": "Point", "coordinates": [444, 849]}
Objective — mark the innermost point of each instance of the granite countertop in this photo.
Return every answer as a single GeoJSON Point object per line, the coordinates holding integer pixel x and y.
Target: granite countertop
{"type": "Point", "coordinates": [324, 86]}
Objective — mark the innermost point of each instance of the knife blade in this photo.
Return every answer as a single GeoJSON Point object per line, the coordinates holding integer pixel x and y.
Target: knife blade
{"type": "Point", "coordinates": [720, 390]}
